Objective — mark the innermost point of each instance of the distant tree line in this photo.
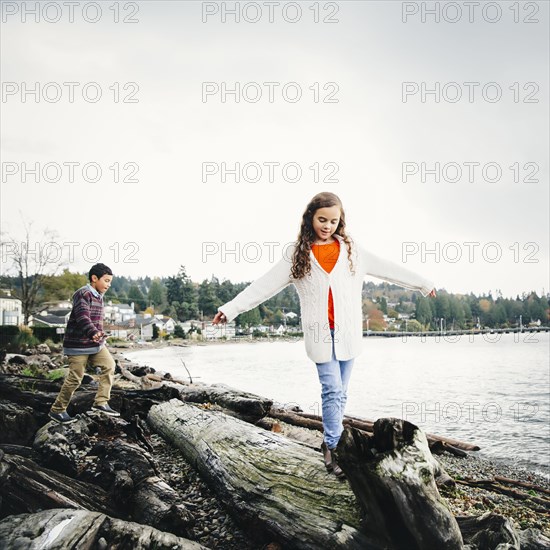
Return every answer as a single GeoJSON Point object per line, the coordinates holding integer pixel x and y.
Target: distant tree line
{"type": "Point", "coordinates": [183, 299]}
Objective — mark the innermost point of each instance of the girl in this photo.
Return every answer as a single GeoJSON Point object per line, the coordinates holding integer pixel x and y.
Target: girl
{"type": "Point", "coordinates": [327, 268]}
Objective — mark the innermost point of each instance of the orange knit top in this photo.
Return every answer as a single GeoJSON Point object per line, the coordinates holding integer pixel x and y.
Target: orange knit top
{"type": "Point", "coordinates": [327, 256]}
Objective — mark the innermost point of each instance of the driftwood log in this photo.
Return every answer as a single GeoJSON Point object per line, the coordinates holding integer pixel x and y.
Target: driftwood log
{"type": "Point", "coordinates": [315, 422]}
{"type": "Point", "coordinates": [246, 406]}
{"type": "Point", "coordinates": [27, 487]}
{"type": "Point", "coordinates": [124, 470]}
{"type": "Point", "coordinates": [393, 475]}
{"type": "Point", "coordinates": [275, 487]}
{"type": "Point", "coordinates": [39, 394]}
{"type": "Point", "coordinates": [82, 529]}
{"type": "Point", "coordinates": [488, 532]}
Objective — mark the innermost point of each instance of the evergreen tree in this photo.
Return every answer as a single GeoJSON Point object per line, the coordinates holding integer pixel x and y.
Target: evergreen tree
{"type": "Point", "coordinates": [182, 296]}
{"type": "Point", "coordinates": [135, 295]}
{"type": "Point", "coordinates": [208, 301]}
{"type": "Point", "coordinates": [423, 313]}
{"type": "Point", "coordinates": [157, 295]}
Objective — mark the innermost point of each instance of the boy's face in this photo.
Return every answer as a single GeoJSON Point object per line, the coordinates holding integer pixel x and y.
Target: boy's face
{"type": "Point", "coordinates": [102, 284]}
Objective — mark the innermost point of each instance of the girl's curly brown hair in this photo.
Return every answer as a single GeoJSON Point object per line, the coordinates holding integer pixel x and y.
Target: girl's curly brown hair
{"type": "Point", "coordinates": [301, 264]}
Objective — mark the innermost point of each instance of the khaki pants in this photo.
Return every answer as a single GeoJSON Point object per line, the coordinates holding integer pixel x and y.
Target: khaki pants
{"type": "Point", "coordinates": [77, 366]}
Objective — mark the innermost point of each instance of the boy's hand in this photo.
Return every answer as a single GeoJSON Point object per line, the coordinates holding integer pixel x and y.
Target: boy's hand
{"type": "Point", "coordinates": [219, 318]}
{"type": "Point", "coordinates": [432, 293]}
{"type": "Point", "coordinates": [98, 336]}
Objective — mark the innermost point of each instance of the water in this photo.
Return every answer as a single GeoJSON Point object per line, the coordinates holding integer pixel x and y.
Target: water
{"type": "Point", "coordinates": [495, 394]}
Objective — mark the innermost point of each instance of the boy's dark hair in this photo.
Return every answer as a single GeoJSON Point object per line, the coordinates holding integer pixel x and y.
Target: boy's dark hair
{"type": "Point", "coordinates": [99, 270]}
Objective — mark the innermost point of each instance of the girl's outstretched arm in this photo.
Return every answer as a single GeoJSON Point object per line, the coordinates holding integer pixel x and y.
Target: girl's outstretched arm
{"type": "Point", "coordinates": [395, 273]}
{"type": "Point", "coordinates": [269, 284]}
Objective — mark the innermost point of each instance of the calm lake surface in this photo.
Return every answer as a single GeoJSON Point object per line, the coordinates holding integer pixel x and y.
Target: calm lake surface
{"type": "Point", "coordinates": [491, 390]}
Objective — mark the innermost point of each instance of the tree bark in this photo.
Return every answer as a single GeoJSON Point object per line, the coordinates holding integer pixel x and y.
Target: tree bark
{"type": "Point", "coordinates": [393, 475]}
{"type": "Point", "coordinates": [273, 486]}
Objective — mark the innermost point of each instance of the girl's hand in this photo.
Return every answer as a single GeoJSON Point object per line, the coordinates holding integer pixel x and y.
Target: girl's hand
{"type": "Point", "coordinates": [219, 318]}
{"type": "Point", "coordinates": [432, 293]}
{"type": "Point", "coordinates": [98, 336]}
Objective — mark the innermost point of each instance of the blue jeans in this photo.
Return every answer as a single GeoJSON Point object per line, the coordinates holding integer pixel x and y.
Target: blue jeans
{"type": "Point", "coordinates": [334, 377]}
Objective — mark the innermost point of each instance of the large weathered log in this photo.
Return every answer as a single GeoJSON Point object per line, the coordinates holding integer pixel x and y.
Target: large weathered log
{"type": "Point", "coordinates": [39, 394]}
{"type": "Point", "coordinates": [27, 487]}
{"type": "Point", "coordinates": [393, 475]}
{"type": "Point", "coordinates": [81, 529]}
{"type": "Point", "coordinates": [274, 487]}
{"type": "Point", "coordinates": [248, 406]}
{"type": "Point", "coordinates": [31, 392]}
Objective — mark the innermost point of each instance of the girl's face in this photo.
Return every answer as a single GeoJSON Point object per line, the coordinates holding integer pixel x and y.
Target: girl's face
{"type": "Point", "coordinates": [325, 222]}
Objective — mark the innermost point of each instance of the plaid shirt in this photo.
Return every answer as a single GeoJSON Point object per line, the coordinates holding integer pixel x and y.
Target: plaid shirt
{"type": "Point", "coordinates": [85, 320]}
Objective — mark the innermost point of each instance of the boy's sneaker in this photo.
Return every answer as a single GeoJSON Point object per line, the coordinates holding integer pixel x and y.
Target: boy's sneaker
{"type": "Point", "coordinates": [62, 418]}
{"type": "Point", "coordinates": [105, 409]}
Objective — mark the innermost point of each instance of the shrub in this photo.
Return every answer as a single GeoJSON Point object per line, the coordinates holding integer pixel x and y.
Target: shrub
{"type": "Point", "coordinates": [55, 374]}
{"type": "Point", "coordinates": [25, 339]}
{"type": "Point", "coordinates": [33, 371]}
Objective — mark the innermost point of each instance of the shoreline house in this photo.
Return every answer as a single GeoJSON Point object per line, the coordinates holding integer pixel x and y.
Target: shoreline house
{"type": "Point", "coordinates": [117, 314]}
{"type": "Point", "coordinates": [165, 323]}
{"type": "Point", "coordinates": [11, 309]}
{"type": "Point", "coordinates": [52, 314]}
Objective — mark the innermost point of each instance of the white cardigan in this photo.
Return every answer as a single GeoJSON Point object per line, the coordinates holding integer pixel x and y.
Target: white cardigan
{"type": "Point", "coordinates": [313, 292]}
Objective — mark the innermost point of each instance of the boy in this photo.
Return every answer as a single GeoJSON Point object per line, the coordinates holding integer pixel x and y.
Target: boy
{"type": "Point", "coordinates": [85, 341]}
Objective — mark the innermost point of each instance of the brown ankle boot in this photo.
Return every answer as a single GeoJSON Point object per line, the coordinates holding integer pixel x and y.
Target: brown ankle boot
{"type": "Point", "coordinates": [336, 470]}
{"type": "Point", "coordinates": [327, 457]}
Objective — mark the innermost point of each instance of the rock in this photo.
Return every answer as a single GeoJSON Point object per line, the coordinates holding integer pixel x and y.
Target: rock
{"type": "Point", "coordinates": [43, 348]}
{"type": "Point", "coordinates": [40, 359]}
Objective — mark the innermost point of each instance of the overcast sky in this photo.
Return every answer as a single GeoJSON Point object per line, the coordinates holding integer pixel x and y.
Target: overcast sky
{"type": "Point", "coordinates": [161, 123]}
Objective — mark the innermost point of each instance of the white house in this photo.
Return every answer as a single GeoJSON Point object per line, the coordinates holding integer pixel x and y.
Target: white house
{"type": "Point", "coordinates": [165, 323]}
{"type": "Point", "coordinates": [118, 313]}
{"type": "Point", "coordinates": [11, 309]}
{"type": "Point", "coordinates": [45, 319]}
